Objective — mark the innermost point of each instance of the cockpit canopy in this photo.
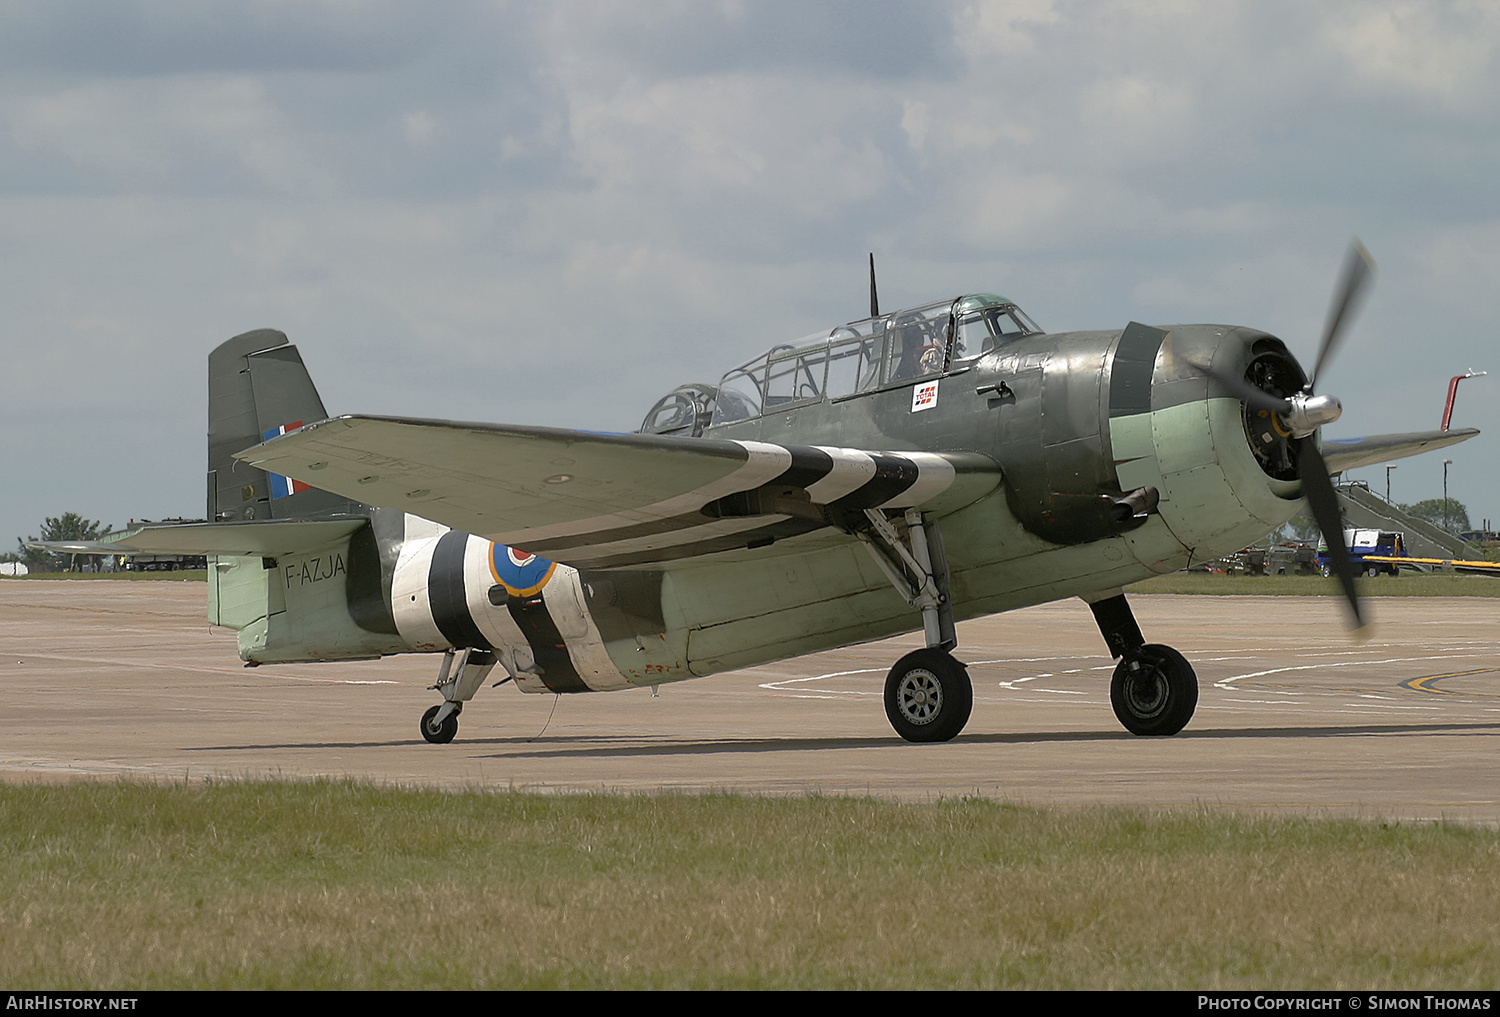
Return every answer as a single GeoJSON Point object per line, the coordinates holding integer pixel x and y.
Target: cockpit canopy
{"type": "Point", "coordinates": [862, 356]}
{"type": "Point", "coordinates": [871, 354]}
{"type": "Point", "coordinates": [685, 410]}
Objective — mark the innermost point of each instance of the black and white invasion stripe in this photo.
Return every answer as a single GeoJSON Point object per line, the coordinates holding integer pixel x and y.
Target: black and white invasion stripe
{"type": "Point", "coordinates": [444, 595]}
{"type": "Point", "coordinates": [838, 479]}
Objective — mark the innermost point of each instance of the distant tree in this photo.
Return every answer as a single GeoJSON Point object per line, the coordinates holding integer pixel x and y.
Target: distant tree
{"type": "Point", "coordinates": [68, 526]}
{"type": "Point", "coordinates": [1453, 516]}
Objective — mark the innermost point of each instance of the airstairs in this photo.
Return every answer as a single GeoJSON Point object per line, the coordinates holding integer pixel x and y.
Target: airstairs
{"type": "Point", "coordinates": [1365, 509]}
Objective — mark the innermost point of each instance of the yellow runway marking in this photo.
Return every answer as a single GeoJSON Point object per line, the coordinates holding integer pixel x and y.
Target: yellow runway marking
{"type": "Point", "coordinates": [1422, 684]}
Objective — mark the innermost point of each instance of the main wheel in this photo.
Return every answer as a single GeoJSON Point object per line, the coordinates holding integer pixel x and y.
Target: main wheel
{"type": "Point", "coordinates": [928, 697]}
{"type": "Point", "coordinates": [1159, 696]}
{"type": "Point", "coordinates": [439, 734]}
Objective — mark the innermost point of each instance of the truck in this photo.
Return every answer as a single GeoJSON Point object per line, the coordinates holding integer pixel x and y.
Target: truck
{"type": "Point", "coordinates": [1382, 543]}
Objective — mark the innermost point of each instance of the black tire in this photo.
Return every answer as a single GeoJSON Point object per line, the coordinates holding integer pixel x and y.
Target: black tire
{"type": "Point", "coordinates": [928, 697]}
{"type": "Point", "coordinates": [444, 732]}
{"type": "Point", "coordinates": [1159, 697]}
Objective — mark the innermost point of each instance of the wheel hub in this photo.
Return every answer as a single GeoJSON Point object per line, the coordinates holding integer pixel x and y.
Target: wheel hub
{"type": "Point", "coordinates": [1147, 691]}
{"type": "Point", "coordinates": [920, 696]}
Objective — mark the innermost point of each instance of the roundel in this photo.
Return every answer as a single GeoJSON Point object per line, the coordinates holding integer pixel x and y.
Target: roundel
{"type": "Point", "coordinates": [521, 574]}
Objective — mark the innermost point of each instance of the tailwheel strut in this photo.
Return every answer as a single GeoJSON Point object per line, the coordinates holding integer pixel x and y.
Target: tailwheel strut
{"type": "Point", "coordinates": [460, 674]}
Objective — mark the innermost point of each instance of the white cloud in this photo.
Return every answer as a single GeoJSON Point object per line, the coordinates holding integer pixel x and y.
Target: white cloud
{"type": "Point", "coordinates": [1002, 28]}
{"type": "Point", "coordinates": [1130, 115]}
{"type": "Point", "coordinates": [1440, 52]}
{"type": "Point", "coordinates": [733, 136]}
{"type": "Point", "coordinates": [418, 126]}
{"type": "Point", "coordinates": [168, 134]}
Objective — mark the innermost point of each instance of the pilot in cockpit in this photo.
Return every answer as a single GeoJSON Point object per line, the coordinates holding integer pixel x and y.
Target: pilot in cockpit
{"type": "Point", "coordinates": [921, 350]}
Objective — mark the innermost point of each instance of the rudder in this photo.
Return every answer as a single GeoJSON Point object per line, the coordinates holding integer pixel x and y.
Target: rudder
{"type": "Point", "coordinates": [257, 385]}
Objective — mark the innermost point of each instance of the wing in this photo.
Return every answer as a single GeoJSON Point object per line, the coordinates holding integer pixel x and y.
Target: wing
{"type": "Point", "coordinates": [1351, 453]}
{"type": "Point", "coordinates": [613, 500]}
{"type": "Point", "coordinates": [266, 538]}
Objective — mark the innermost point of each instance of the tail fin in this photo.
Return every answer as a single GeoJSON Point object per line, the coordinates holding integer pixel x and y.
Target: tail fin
{"type": "Point", "coordinates": [257, 388]}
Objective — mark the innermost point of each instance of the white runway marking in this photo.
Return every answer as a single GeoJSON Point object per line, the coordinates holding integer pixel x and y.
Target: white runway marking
{"type": "Point", "coordinates": [1223, 683]}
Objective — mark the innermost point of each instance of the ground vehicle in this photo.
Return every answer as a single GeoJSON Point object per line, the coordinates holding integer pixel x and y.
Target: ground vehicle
{"type": "Point", "coordinates": [162, 562]}
{"type": "Point", "coordinates": [1383, 543]}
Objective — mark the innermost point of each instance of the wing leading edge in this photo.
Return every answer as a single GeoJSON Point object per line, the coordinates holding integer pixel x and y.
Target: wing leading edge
{"type": "Point", "coordinates": [269, 537]}
{"type": "Point", "coordinates": [1351, 453]}
{"type": "Point", "coordinates": [613, 500]}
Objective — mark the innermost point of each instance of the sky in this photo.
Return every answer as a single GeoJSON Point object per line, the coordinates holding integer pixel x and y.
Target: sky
{"type": "Point", "coordinates": [553, 213]}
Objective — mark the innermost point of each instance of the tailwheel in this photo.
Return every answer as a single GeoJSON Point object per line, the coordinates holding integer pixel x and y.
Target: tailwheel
{"type": "Point", "coordinates": [1154, 691]}
{"type": "Point", "coordinates": [440, 732]}
{"type": "Point", "coordinates": [928, 696]}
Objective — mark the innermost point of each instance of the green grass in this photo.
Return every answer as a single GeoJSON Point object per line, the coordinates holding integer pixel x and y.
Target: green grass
{"type": "Point", "coordinates": [339, 885]}
{"type": "Point", "coordinates": [1405, 585]}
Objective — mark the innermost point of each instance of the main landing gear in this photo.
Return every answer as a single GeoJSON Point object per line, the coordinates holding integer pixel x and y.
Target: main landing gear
{"type": "Point", "coordinates": [458, 685]}
{"type": "Point", "coordinates": [928, 696]}
{"type": "Point", "coordinates": [1154, 690]}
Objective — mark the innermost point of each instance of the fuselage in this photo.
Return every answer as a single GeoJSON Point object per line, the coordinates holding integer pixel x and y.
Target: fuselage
{"type": "Point", "coordinates": [1076, 423]}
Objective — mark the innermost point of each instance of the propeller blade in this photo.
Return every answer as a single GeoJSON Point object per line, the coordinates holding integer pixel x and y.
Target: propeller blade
{"type": "Point", "coordinates": [1324, 502]}
{"type": "Point", "coordinates": [1259, 398]}
{"type": "Point", "coordinates": [1359, 268]}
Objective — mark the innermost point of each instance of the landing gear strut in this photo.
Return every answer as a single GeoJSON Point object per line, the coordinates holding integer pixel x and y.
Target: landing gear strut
{"type": "Point", "coordinates": [1154, 690]}
{"type": "Point", "coordinates": [458, 685]}
{"type": "Point", "coordinates": [928, 696]}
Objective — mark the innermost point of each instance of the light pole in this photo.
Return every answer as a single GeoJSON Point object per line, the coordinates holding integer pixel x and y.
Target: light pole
{"type": "Point", "coordinates": [1388, 470]}
{"type": "Point", "coordinates": [1446, 463]}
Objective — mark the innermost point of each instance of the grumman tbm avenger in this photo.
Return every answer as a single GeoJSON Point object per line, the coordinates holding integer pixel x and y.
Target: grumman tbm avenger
{"type": "Point", "coordinates": [905, 471]}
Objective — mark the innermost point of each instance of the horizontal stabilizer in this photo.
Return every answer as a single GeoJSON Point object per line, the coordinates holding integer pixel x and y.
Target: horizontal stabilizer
{"type": "Point", "coordinates": [1351, 453]}
{"type": "Point", "coordinates": [613, 500]}
{"type": "Point", "coordinates": [261, 538]}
